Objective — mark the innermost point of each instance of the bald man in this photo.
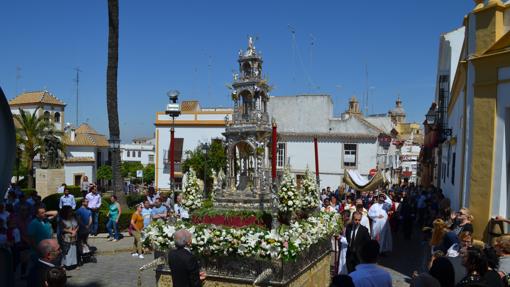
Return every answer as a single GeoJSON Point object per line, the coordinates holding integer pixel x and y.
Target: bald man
{"type": "Point", "coordinates": [49, 257]}
{"type": "Point", "coordinates": [184, 265]}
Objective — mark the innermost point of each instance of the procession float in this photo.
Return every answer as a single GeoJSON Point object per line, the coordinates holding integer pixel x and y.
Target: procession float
{"type": "Point", "coordinates": [261, 229]}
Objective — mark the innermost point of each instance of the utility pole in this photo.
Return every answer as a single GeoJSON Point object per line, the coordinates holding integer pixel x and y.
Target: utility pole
{"type": "Point", "coordinates": [366, 89]}
{"type": "Point", "coordinates": [77, 81]}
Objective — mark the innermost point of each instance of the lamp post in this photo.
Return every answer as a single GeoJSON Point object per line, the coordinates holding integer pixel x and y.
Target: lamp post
{"type": "Point", "coordinates": [205, 150]}
{"type": "Point", "coordinates": [173, 109]}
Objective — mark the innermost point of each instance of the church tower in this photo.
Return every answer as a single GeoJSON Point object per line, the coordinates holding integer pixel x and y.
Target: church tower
{"type": "Point", "coordinates": [398, 114]}
{"type": "Point", "coordinates": [248, 136]}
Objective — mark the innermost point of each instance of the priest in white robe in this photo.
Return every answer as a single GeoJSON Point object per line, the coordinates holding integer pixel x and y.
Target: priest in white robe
{"type": "Point", "coordinates": [381, 230]}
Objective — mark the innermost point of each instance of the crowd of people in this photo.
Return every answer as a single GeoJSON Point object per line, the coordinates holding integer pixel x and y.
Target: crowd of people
{"type": "Point", "coordinates": [44, 244]}
{"type": "Point", "coordinates": [450, 255]}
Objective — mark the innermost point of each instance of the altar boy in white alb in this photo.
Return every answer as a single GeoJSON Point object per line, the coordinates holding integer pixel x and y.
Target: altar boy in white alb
{"type": "Point", "coordinates": [381, 231]}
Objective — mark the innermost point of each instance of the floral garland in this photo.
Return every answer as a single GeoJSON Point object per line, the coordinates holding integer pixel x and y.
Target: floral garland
{"type": "Point", "coordinates": [284, 243]}
{"type": "Point", "coordinates": [288, 197]}
{"type": "Point", "coordinates": [192, 198]}
{"type": "Point", "coordinates": [310, 195]}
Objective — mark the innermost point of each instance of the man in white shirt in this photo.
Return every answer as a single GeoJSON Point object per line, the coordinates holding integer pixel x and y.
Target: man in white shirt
{"type": "Point", "coordinates": [67, 200]}
{"type": "Point", "coordinates": [94, 204]}
{"type": "Point", "coordinates": [368, 273]}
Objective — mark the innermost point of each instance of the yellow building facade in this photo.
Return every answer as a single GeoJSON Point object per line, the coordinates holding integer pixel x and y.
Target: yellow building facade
{"type": "Point", "coordinates": [478, 112]}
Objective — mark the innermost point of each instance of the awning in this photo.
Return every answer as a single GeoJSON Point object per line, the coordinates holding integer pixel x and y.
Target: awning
{"type": "Point", "coordinates": [353, 179]}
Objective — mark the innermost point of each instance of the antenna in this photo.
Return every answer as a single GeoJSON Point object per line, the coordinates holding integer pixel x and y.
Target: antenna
{"type": "Point", "coordinates": [18, 77]}
{"type": "Point", "coordinates": [293, 44]}
{"type": "Point", "coordinates": [295, 51]}
{"type": "Point", "coordinates": [366, 89]}
{"type": "Point", "coordinates": [312, 43]}
{"type": "Point", "coordinates": [209, 72]}
{"type": "Point", "coordinates": [77, 81]}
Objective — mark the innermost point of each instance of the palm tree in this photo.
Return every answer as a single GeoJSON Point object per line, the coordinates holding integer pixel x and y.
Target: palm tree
{"type": "Point", "coordinates": [31, 131]}
{"type": "Point", "coordinates": [111, 93]}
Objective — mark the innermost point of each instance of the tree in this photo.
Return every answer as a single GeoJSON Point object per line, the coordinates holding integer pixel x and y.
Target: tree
{"type": "Point", "coordinates": [216, 159]}
{"type": "Point", "coordinates": [111, 94]}
{"type": "Point", "coordinates": [148, 173]}
{"type": "Point", "coordinates": [104, 172]}
{"type": "Point", "coordinates": [31, 132]}
{"type": "Point", "coordinates": [128, 168]}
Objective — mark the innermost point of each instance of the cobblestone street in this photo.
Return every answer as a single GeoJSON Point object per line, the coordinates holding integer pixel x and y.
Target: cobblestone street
{"type": "Point", "coordinates": [119, 269]}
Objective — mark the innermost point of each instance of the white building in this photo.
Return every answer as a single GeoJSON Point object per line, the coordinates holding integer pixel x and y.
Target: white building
{"type": "Point", "coordinates": [409, 154]}
{"type": "Point", "coordinates": [195, 125]}
{"type": "Point", "coordinates": [140, 150]}
{"type": "Point", "coordinates": [86, 151]}
{"type": "Point", "coordinates": [348, 142]}
{"type": "Point", "coordinates": [47, 104]}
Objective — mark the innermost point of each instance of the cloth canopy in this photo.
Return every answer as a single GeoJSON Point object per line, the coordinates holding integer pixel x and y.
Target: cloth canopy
{"type": "Point", "coordinates": [353, 179]}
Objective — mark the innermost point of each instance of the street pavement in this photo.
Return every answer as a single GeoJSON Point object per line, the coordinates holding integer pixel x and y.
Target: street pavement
{"type": "Point", "coordinates": [116, 267]}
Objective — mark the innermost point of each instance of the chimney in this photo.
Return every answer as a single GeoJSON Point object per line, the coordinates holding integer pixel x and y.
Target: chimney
{"type": "Point", "coordinates": [73, 134]}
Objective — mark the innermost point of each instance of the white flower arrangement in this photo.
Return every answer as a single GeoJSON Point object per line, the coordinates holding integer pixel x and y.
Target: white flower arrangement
{"type": "Point", "coordinates": [247, 242]}
{"type": "Point", "coordinates": [310, 195]}
{"type": "Point", "coordinates": [192, 196]}
{"type": "Point", "coordinates": [289, 199]}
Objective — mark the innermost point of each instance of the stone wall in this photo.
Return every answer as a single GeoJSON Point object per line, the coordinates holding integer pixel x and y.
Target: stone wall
{"type": "Point", "coordinates": [48, 181]}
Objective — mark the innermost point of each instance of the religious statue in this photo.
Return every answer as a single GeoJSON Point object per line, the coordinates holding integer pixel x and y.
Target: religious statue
{"type": "Point", "coordinates": [214, 178]}
{"type": "Point", "coordinates": [50, 156]}
{"type": "Point", "coordinates": [221, 178]}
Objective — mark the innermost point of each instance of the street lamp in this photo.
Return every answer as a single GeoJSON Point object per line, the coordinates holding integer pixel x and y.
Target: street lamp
{"type": "Point", "coordinates": [431, 117]}
{"type": "Point", "coordinates": [205, 150]}
{"type": "Point", "coordinates": [173, 109]}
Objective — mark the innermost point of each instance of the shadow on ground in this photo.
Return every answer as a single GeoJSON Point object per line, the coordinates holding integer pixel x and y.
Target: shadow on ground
{"type": "Point", "coordinates": [407, 256]}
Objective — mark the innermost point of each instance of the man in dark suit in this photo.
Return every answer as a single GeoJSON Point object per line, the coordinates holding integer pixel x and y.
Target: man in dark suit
{"type": "Point", "coordinates": [184, 266]}
{"type": "Point", "coordinates": [49, 258]}
{"type": "Point", "coordinates": [357, 235]}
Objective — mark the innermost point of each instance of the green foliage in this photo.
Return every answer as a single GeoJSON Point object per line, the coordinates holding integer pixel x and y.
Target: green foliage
{"type": "Point", "coordinates": [104, 172]}
{"type": "Point", "coordinates": [216, 159]}
{"type": "Point", "coordinates": [124, 220]}
{"type": "Point", "coordinates": [128, 168]}
{"type": "Point", "coordinates": [208, 203]}
{"type": "Point", "coordinates": [74, 190]}
{"type": "Point", "coordinates": [148, 173]}
{"type": "Point", "coordinates": [134, 199]}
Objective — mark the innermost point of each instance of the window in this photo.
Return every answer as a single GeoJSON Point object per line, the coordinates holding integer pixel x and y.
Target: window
{"type": "Point", "coordinates": [57, 117]}
{"type": "Point", "coordinates": [46, 116]}
{"type": "Point", "coordinates": [128, 154]}
{"type": "Point", "coordinates": [151, 158]}
{"type": "Point", "coordinates": [139, 153]}
{"type": "Point", "coordinates": [280, 155]}
{"type": "Point", "coordinates": [350, 155]}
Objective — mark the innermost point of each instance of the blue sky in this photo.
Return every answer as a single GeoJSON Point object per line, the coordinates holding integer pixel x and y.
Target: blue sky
{"type": "Point", "coordinates": [192, 46]}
